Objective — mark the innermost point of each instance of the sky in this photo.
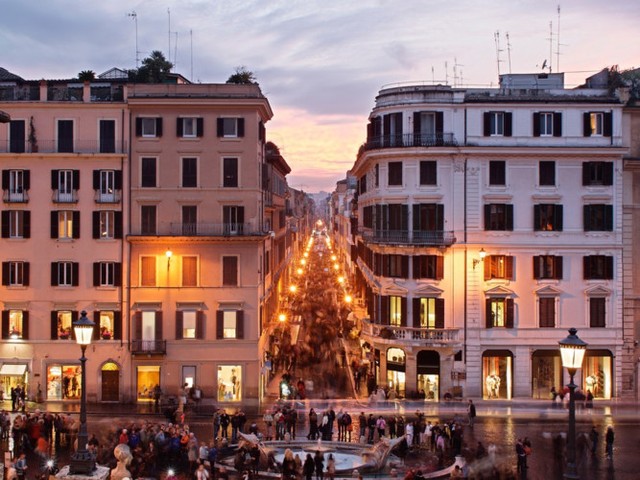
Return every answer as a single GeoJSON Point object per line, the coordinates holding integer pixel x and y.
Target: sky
{"type": "Point", "coordinates": [322, 62]}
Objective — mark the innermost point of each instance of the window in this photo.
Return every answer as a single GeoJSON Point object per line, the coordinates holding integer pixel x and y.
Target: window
{"type": "Point", "coordinates": [64, 274]}
{"type": "Point", "coordinates": [107, 224]}
{"type": "Point", "coordinates": [107, 325]}
{"type": "Point", "coordinates": [189, 220]}
{"type": "Point", "coordinates": [230, 127]}
{"type": "Point", "coordinates": [15, 184]}
{"type": "Point", "coordinates": [65, 136]}
{"type": "Point", "coordinates": [149, 172]}
{"type": "Point", "coordinates": [395, 311]}
{"type": "Point", "coordinates": [598, 267]}
{"type": "Point", "coordinates": [148, 219]}
{"type": "Point", "coordinates": [597, 173]}
{"type": "Point", "coordinates": [597, 124]}
{"type": "Point", "coordinates": [189, 271]}
{"type": "Point", "coordinates": [547, 267]}
{"type": "Point", "coordinates": [428, 128]}
{"type": "Point", "coordinates": [189, 323]}
{"type": "Point", "coordinates": [65, 224]}
{"type": "Point", "coordinates": [16, 224]}
{"type": "Point", "coordinates": [107, 274]}
{"type": "Point", "coordinates": [229, 383]}
{"type": "Point", "coordinates": [597, 312]}
{"type": "Point", "coordinates": [498, 267]}
{"type": "Point", "coordinates": [233, 219]}
{"type": "Point", "coordinates": [395, 264]}
{"type": "Point", "coordinates": [500, 312]}
{"type": "Point", "coordinates": [497, 124]}
{"type": "Point", "coordinates": [547, 217]}
{"type": "Point", "coordinates": [598, 218]}
{"type": "Point", "coordinates": [497, 173]}
{"type": "Point", "coordinates": [428, 313]}
{"type": "Point", "coordinates": [428, 266]}
{"type": "Point", "coordinates": [428, 172]}
{"type": "Point", "coordinates": [62, 324]}
{"type": "Point", "coordinates": [15, 274]}
{"type": "Point", "coordinates": [189, 172]}
{"type": "Point", "coordinates": [189, 127]}
{"type": "Point", "coordinates": [107, 184]}
{"type": "Point", "coordinates": [107, 136]}
{"type": "Point", "coordinates": [395, 174]}
{"type": "Point", "coordinates": [229, 324]}
{"type": "Point", "coordinates": [230, 172]}
{"type": "Point", "coordinates": [547, 312]}
{"type": "Point", "coordinates": [498, 216]}
{"type": "Point", "coordinates": [148, 127]}
{"type": "Point", "coordinates": [15, 324]}
{"type": "Point", "coordinates": [547, 173]}
{"type": "Point", "coordinates": [65, 184]}
{"type": "Point", "coordinates": [230, 271]}
{"type": "Point", "coordinates": [547, 124]}
{"type": "Point", "coordinates": [147, 271]}
{"type": "Point", "coordinates": [17, 136]}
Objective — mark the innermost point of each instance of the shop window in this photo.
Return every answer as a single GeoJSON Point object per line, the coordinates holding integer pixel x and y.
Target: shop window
{"type": "Point", "coordinates": [546, 373]}
{"type": "Point", "coordinates": [64, 382]}
{"type": "Point", "coordinates": [229, 383]}
{"type": "Point", "coordinates": [497, 373]}
{"type": "Point", "coordinates": [396, 376]}
{"type": "Point", "coordinates": [148, 376]}
{"type": "Point", "coordinates": [597, 371]}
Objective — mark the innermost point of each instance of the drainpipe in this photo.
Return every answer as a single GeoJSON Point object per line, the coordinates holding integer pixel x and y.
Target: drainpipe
{"type": "Point", "coordinates": [123, 303]}
{"type": "Point", "coordinates": [466, 273]}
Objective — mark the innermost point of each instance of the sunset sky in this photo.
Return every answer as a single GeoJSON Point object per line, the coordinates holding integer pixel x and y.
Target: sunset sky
{"type": "Point", "coordinates": [321, 62]}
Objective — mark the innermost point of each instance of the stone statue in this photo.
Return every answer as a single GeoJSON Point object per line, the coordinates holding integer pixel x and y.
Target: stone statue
{"type": "Point", "coordinates": [124, 457]}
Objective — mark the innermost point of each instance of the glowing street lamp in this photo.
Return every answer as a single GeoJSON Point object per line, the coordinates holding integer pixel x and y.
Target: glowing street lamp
{"type": "Point", "coordinates": [299, 271]}
{"type": "Point", "coordinates": [340, 279]}
{"type": "Point", "coordinates": [333, 258]}
{"type": "Point", "coordinates": [282, 318]}
{"type": "Point", "coordinates": [293, 288]}
{"type": "Point", "coordinates": [348, 299]}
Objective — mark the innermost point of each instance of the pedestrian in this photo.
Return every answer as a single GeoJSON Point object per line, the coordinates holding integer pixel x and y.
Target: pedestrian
{"type": "Point", "coordinates": [319, 464]}
{"type": "Point", "coordinates": [609, 437]}
{"type": "Point", "coordinates": [526, 444]}
{"type": "Point", "coordinates": [521, 455]}
{"type": "Point", "coordinates": [331, 467]}
{"type": "Point", "coordinates": [21, 466]}
{"type": "Point", "coordinates": [309, 467]}
{"type": "Point", "coordinates": [471, 411]}
{"type": "Point", "coordinates": [589, 401]}
{"type": "Point", "coordinates": [381, 425]}
{"type": "Point", "coordinates": [593, 436]}
{"type": "Point", "coordinates": [268, 421]}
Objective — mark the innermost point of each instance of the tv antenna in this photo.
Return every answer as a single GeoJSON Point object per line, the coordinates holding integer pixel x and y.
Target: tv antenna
{"type": "Point", "coordinates": [496, 37]}
{"type": "Point", "coordinates": [191, 35]}
{"type": "Point", "coordinates": [550, 46]}
{"type": "Point", "coordinates": [455, 72]}
{"type": "Point", "coordinates": [558, 42]}
{"type": "Point", "coordinates": [508, 50]}
{"type": "Point", "coordinates": [134, 15]}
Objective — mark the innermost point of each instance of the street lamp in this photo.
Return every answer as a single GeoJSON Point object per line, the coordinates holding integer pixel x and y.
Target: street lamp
{"type": "Point", "coordinates": [83, 461]}
{"type": "Point", "coordinates": [572, 350]}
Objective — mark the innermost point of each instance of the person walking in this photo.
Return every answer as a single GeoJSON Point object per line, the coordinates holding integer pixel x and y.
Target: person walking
{"type": "Point", "coordinates": [309, 467]}
{"type": "Point", "coordinates": [609, 438]}
{"type": "Point", "coordinates": [522, 456]}
{"type": "Point", "coordinates": [593, 436]}
{"type": "Point", "coordinates": [319, 464]}
{"type": "Point", "coordinates": [471, 412]}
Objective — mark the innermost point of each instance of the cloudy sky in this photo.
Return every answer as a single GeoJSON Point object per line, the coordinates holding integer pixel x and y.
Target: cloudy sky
{"type": "Point", "coordinates": [321, 62]}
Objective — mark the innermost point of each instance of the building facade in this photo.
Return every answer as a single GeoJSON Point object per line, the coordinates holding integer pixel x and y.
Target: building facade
{"type": "Point", "coordinates": [489, 222]}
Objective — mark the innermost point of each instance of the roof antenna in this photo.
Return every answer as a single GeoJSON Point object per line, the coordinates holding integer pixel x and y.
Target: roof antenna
{"type": "Point", "coordinates": [508, 51]}
{"type": "Point", "coordinates": [558, 42]}
{"type": "Point", "coordinates": [496, 37]}
{"type": "Point", "coordinates": [191, 34]}
{"type": "Point", "coordinates": [134, 15]}
{"type": "Point", "coordinates": [550, 45]}
{"type": "Point", "coordinates": [169, 34]}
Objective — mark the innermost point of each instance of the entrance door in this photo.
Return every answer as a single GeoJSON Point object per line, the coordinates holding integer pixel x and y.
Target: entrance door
{"type": "Point", "coordinates": [110, 385]}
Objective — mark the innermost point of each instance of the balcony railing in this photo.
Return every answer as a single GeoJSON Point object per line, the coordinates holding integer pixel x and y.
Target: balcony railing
{"type": "Point", "coordinates": [151, 347]}
{"type": "Point", "coordinates": [52, 146]}
{"type": "Point", "coordinates": [203, 230]}
{"type": "Point", "coordinates": [432, 336]}
{"type": "Point", "coordinates": [111, 197]}
{"type": "Point", "coordinates": [406, 140]}
{"type": "Point", "coordinates": [15, 197]}
{"type": "Point", "coordinates": [65, 197]}
{"type": "Point", "coordinates": [409, 237]}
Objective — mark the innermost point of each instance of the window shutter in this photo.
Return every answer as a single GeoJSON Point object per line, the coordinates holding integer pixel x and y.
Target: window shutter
{"type": "Point", "coordinates": [586, 124]}
{"type": "Point", "coordinates": [75, 273]}
{"type": "Point", "coordinates": [509, 267]}
{"type": "Point", "coordinates": [536, 267]}
{"type": "Point", "coordinates": [608, 268]}
{"type": "Point", "coordinates": [440, 217]}
{"type": "Point", "coordinates": [558, 218]}
{"type": "Point", "coordinates": [54, 224]}
{"type": "Point", "coordinates": [117, 227]}
{"type": "Point", "coordinates": [220, 130]}
{"type": "Point", "coordinates": [557, 124]}
{"type": "Point", "coordinates": [219, 324]}
{"type": "Point", "coordinates": [607, 173]}
{"type": "Point", "coordinates": [487, 267]}
{"type": "Point", "coordinates": [26, 227]}
{"type": "Point", "coordinates": [417, 126]}
{"type": "Point", "coordinates": [241, 127]}
{"type": "Point", "coordinates": [199, 324]}
{"type": "Point", "coordinates": [5, 180]}
{"type": "Point", "coordinates": [200, 127]}
{"type": "Point", "coordinates": [179, 127]}
{"type": "Point", "coordinates": [508, 221]}
{"type": "Point", "coordinates": [76, 224]}
{"type": "Point", "coordinates": [586, 218]}
{"type": "Point", "coordinates": [384, 310]}
{"type": "Point", "coordinates": [117, 179]}
{"type": "Point", "coordinates": [76, 179]}
{"type": "Point", "coordinates": [416, 267]}
{"type": "Point", "coordinates": [403, 307]}
{"type": "Point", "coordinates": [487, 123]}
{"type": "Point", "coordinates": [25, 325]}
{"type": "Point", "coordinates": [137, 320]}
{"type": "Point", "coordinates": [117, 325]}
{"type": "Point", "coordinates": [405, 266]}
{"type": "Point", "coordinates": [54, 274]}
{"type": "Point", "coordinates": [96, 274]}
{"type": "Point", "coordinates": [586, 267]}
{"type": "Point", "coordinates": [96, 225]}
{"type": "Point", "coordinates": [5, 223]}
{"type": "Point", "coordinates": [25, 274]}
{"type": "Point", "coordinates": [96, 327]}
{"type": "Point", "coordinates": [179, 324]}
{"type": "Point", "coordinates": [159, 325]}
{"type": "Point", "coordinates": [138, 127]}
{"type": "Point", "coordinates": [536, 124]}
{"type": "Point", "coordinates": [5, 273]}
{"type": "Point", "coordinates": [607, 127]}
{"type": "Point", "coordinates": [439, 312]}
{"type": "Point", "coordinates": [487, 313]}
{"type": "Point", "coordinates": [558, 267]}
{"type": "Point", "coordinates": [608, 218]}
{"type": "Point", "coordinates": [439, 125]}
{"type": "Point", "coordinates": [54, 325]}
{"type": "Point", "coordinates": [26, 179]}
{"type": "Point", "coordinates": [96, 179]}
{"type": "Point", "coordinates": [158, 127]}
{"type": "Point", "coordinates": [416, 313]}
{"type": "Point", "coordinates": [536, 217]}
{"type": "Point", "coordinates": [54, 179]}
{"type": "Point", "coordinates": [508, 124]}
{"type": "Point", "coordinates": [117, 274]}
{"type": "Point", "coordinates": [510, 312]}
{"type": "Point", "coordinates": [240, 324]}
{"type": "Point", "coordinates": [487, 216]}
{"type": "Point", "coordinates": [586, 177]}
{"type": "Point", "coordinates": [5, 324]}
{"type": "Point", "coordinates": [439, 259]}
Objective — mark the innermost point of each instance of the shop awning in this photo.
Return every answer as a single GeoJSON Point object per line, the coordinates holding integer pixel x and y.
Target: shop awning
{"type": "Point", "coordinates": [13, 369]}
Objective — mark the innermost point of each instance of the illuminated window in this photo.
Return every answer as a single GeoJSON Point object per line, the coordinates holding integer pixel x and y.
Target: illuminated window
{"type": "Point", "coordinates": [395, 311]}
{"type": "Point", "coordinates": [428, 313]}
{"type": "Point", "coordinates": [189, 324]}
{"type": "Point", "coordinates": [229, 383]}
{"type": "Point", "coordinates": [106, 325]}
{"type": "Point", "coordinates": [229, 324]}
{"type": "Point", "coordinates": [14, 324]}
{"type": "Point", "coordinates": [499, 312]}
{"type": "Point", "coordinates": [66, 220]}
{"type": "Point", "coordinates": [64, 325]}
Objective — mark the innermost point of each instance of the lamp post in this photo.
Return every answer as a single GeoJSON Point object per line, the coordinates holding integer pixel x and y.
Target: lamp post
{"type": "Point", "coordinates": [572, 350]}
{"type": "Point", "coordinates": [82, 461]}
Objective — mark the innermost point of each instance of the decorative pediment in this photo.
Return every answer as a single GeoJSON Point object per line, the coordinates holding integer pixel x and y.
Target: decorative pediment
{"type": "Point", "coordinates": [392, 288]}
{"type": "Point", "coordinates": [548, 291]}
{"type": "Point", "coordinates": [147, 306]}
{"type": "Point", "coordinates": [499, 291]}
{"type": "Point", "coordinates": [428, 290]}
{"type": "Point", "coordinates": [598, 291]}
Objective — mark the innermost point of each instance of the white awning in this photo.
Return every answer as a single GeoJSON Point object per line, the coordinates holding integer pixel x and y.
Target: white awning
{"type": "Point", "coordinates": [13, 369]}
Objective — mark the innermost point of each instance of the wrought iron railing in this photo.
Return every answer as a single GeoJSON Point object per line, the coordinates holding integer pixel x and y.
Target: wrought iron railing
{"type": "Point", "coordinates": [409, 237]}
{"type": "Point", "coordinates": [405, 140]}
{"type": "Point", "coordinates": [149, 346]}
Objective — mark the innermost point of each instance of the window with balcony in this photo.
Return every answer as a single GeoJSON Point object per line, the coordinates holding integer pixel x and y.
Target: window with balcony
{"type": "Point", "coordinates": [17, 136]}
{"type": "Point", "coordinates": [189, 172]}
{"type": "Point", "coordinates": [497, 173]}
{"type": "Point", "coordinates": [598, 267]}
{"type": "Point", "coordinates": [107, 274]}
{"type": "Point", "coordinates": [547, 173]}
{"type": "Point", "coordinates": [148, 173]}
{"type": "Point", "coordinates": [428, 312]}
{"type": "Point", "coordinates": [65, 224]}
{"type": "Point", "coordinates": [598, 218]}
{"type": "Point", "coordinates": [229, 127]}
{"type": "Point", "coordinates": [547, 217]}
{"type": "Point", "coordinates": [597, 124]}
{"type": "Point", "coordinates": [547, 312]}
{"type": "Point", "coordinates": [394, 174]}
{"type": "Point", "coordinates": [62, 324]}
{"type": "Point", "coordinates": [64, 274]}
{"type": "Point", "coordinates": [15, 324]}
{"type": "Point", "coordinates": [428, 217]}
{"type": "Point", "coordinates": [428, 172]}
{"type": "Point", "coordinates": [189, 271]}
{"type": "Point", "coordinates": [597, 312]}
{"type": "Point", "coordinates": [107, 224]}
{"type": "Point", "coordinates": [15, 184]}
{"type": "Point", "coordinates": [597, 173]}
{"type": "Point", "coordinates": [233, 219]}
{"type": "Point", "coordinates": [147, 271]}
{"type": "Point", "coordinates": [229, 324]}
{"type": "Point", "coordinates": [148, 220]}
{"type": "Point", "coordinates": [428, 266]}
{"type": "Point", "coordinates": [108, 185]}
{"type": "Point", "coordinates": [428, 128]}
{"type": "Point", "coordinates": [190, 127]}
{"type": "Point", "coordinates": [148, 335]}
{"type": "Point", "coordinates": [230, 172]}
{"type": "Point", "coordinates": [148, 127]}
{"type": "Point", "coordinates": [497, 124]}
{"type": "Point", "coordinates": [16, 224]}
{"type": "Point", "coordinates": [107, 136]}
{"type": "Point", "coordinates": [15, 274]}
{"type": "Point", "coordinates": [498, 217]}
{"type": "Point", "coordinates": [547, 124]}
{"type": "Point", "coordinates": [547, 267]}
{"type": "Point", "coordinates": [189, 220]}
{"type": "Point", "coordinates": [498, 267]}
{"type": "Point", "coordinates": [65, 185]}
{"type": "Point", "coordinates": [65, 136]}
{"type": "Point", "coordinates": [189, 324]}
{"type": "Point", "coordinates": [230, 271]}
{"type": "Point", "coordinates": [500, 312]}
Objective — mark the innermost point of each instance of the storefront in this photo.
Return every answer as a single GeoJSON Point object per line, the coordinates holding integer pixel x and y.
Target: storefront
{"type": "Point", "coordinates": [11, 376]}
{"type": "Point", "coordinates": [497, 374]}
{"type": "Point", "coordinates": [229, 383]}
{"type": "Point", "coordinates": [546, 373]}
{"type": "Point", "coordinates": [428, 368]}
{"type": "Point", "coordinates": [64, 382]}
{"type": "Point", "coordinates": [597, 373]}
{"type": "Point", "coordinates": [148, 376]}
{"type": "Point", "coordinates": [396, 371]}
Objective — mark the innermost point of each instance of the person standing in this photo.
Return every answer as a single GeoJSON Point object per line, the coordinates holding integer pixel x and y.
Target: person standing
{"type": "Point", "coordinates": [21, 466]}
{"type": "Point", "coordinates": [471, 412]}
{"type": "Point", "coordinates": [522, 456]}
{"type": "Point", "coordinates": [593, 436]}
{"type": "Point", "coordinates": [319, 463]}
{"type": "Point", "coordinates": [309, 467]}
{"type": "Point", "coordinates": [609, 438]}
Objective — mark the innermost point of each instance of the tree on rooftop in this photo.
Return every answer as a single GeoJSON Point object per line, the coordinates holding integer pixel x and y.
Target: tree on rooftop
{"type": "Point", "coordinates": [242, 76]}
{"type": "Point", "coordinates": [154, 69]}
{"type": "Point", "coordinates": [87, 75]}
